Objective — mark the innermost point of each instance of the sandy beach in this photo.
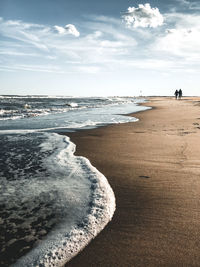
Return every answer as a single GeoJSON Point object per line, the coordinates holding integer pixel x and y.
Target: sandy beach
{"type": "Point", "coordinates": [153, 166]}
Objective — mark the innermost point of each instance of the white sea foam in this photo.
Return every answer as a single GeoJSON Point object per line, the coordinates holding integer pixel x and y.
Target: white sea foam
{"type": "Point", "coordinates": [70, 125]}
{"type": "Point", "coordinates": [29, 112]}
{"type": "Point", "coordinates": [34, 96]}
{"type": "Point", "coordinates": [72, 104]}
{"type": "Point", "coordinates": [85, 198]}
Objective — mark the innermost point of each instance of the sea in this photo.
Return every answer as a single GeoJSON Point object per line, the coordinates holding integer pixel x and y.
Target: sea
{"type": "Point", "coordinates": [52, 203]}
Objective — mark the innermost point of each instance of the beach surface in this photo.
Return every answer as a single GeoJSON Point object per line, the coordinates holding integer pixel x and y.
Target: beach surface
{"type": "Point", "coordinates": [153, 166]}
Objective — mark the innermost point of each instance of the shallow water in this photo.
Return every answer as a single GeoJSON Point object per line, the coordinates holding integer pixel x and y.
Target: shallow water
{"type": "Point", "coordinates": [52, 202]}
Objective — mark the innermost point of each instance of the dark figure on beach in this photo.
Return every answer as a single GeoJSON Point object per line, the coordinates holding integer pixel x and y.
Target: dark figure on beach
{"type": "Point", "coordinates": [180, 93]}
{"type": "Point", "coordinates": [176, 94]}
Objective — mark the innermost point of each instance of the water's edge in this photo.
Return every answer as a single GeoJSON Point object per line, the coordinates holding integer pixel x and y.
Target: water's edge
{"type": "Point", "coordinates": [68, 244]}
{"type": "Point", "coordinates": [61, 246]}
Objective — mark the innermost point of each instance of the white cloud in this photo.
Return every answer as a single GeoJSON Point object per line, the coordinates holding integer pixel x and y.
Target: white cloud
{"type": "Point", "coordinates": [71, 29]}
{"type": "Point", "coordinates": [105, 45]}
{"type": "Point", "coordinates": [182, 42]}
{"type": "Point", "coordinates": [183, 38]}
{"type": "Point", "coordinates": [68, 29]}
{"type": "Point", "coordinates": [92, 52]}
{"type": "Point", "coordinates": [143, 16]}
{"type": "Point", "coordinates": [60, 30]}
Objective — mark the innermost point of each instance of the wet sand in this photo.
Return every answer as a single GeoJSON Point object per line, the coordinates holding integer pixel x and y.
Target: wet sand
{"type": "Point", "coordinates": [153, 166]}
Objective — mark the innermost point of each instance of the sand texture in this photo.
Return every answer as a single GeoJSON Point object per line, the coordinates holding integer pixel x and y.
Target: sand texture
{"type": "Point", "coordinates": [153, 167]}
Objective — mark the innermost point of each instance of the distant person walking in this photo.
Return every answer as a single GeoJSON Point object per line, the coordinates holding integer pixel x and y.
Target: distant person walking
{"type": "Point", "coordinates": [176, 94]}
{"type": "Point", "coordinates": [180, 94]}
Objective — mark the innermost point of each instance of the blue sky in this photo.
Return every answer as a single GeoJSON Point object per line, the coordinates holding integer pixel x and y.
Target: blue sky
{"type": "Point", "coordinates": [99, 48]}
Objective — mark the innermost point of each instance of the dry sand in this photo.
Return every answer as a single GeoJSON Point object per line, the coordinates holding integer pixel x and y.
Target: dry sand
{"type": "Point", "coordinates": [153, 167]}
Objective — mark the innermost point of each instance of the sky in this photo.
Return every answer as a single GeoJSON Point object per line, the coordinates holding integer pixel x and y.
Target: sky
{"type": "Point", "coordinates": [99, 48]}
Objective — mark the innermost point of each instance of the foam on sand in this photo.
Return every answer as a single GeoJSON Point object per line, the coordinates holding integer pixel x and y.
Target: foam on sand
{"type": "Point", "coordinates": [85, 188]}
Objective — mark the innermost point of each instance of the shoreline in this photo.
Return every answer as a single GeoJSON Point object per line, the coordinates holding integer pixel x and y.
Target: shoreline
{"type": "Point", "coordinates": [27, 244]}
{"type": "Point", "coordinates": [70, 236]}
{"type": "Point", "coordinates": [147, 164]}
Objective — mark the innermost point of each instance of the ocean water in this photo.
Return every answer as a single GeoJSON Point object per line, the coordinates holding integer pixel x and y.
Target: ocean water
{"type": "Point", "coordinates": [52, 203]}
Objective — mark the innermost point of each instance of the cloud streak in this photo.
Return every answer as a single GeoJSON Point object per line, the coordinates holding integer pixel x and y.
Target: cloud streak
{"type": "Point", "coordinates": [194, 5]}
{"type": "Point", "coordinates": [92, 52]}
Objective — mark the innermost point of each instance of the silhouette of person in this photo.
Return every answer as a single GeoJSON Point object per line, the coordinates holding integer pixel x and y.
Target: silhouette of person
{"type": "Point", "coordinates": [180, 93]}
{"type": "Point", "coordinates": [176, 94]}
